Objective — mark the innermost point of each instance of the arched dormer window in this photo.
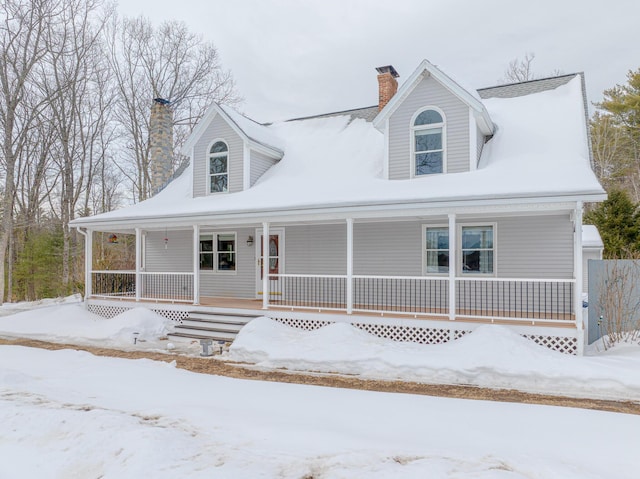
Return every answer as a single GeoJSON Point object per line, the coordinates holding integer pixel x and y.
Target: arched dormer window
{"type": "Point", "coordinates": [428, 142]}
{"type": "Point", "coordinates": [218, 167]}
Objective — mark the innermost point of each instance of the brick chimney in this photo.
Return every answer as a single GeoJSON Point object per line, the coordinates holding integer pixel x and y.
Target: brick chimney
{"type": "Point", "coordinates": [160, 143]}
{"type": "Point", "coordinates": [387, 85]}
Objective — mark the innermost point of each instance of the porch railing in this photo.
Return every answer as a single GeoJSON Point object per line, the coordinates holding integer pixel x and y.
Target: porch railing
{"type": "Point", "coordinates": [515, 299]}
{"type": "Point", "coordinates": [171, 287]}
{"type": "Point", "coordinates": [308, 291]}
{"type": "Point", "coordinates": [511, 299]}
{"type": "Point", "coordinates": [174, 287]}
{"type": "Point", "coordinates": [110, 284]}
{"type": "Point", "coordinates": [401, 294]}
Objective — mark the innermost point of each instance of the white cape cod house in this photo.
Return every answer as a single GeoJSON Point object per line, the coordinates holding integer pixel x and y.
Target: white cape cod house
{"type": "Point", "coordinates": [440, 209]}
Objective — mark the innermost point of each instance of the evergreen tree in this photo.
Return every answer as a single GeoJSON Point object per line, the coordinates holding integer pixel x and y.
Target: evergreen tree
{"type": "Point", "coordinates": [616, 134]}
{"type": "Point", "coordinates": [618, 223]}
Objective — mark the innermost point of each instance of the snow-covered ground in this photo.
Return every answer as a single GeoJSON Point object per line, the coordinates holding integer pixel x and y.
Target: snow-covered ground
{"type": "Point", "coordinates": [68, 414]}
{"type": "Point", "coordinates": [492, 356]}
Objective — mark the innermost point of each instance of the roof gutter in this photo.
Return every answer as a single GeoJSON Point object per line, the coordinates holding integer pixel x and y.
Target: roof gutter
{"type": "Point", "coordinates": [344, 209]}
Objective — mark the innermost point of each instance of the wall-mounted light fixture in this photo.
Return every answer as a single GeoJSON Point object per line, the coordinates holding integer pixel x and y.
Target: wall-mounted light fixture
{"type": "Point", "coordinates": [250, 241]}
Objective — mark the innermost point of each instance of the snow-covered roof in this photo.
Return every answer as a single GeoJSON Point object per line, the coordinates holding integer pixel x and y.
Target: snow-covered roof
{"type": "Point", "coordinates": [252, 131]}
{"type": "Point", "coordinates": [539, 150]}
{"type": "Point", "coordinates": [591, 237]}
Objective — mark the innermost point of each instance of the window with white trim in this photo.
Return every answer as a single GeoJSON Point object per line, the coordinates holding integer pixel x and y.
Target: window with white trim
{"type": "Point", "coordinates": [428, 143]}
{"type": "Point", "coordinates": [477, 249]}
{"type": "Point", "coordinates": [218, 252]}
{"type": "Point", "coordinates": [218, 167]}
{"type": "Point", "coordinates": [437, 250]}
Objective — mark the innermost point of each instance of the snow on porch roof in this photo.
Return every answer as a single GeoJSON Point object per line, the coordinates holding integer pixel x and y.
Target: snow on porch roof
{"type": "Point", "coordinates": [591, 237]}
{"type": "Point", "coordinates": [539, 150]}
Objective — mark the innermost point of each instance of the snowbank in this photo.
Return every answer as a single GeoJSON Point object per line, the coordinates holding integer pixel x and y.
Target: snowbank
{"type": "Point", "coordinates": [74, 324]}
{"type": "Point", "coordinates": [491, 356]}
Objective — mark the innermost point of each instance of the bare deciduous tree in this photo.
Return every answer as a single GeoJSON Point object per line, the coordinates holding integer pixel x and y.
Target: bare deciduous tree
{"type": "Point", "coordinates": [69, 77]}
{"type": "Point", "coordinates": [167, 62]}
{"type": "Point", "coordinates": [23, 46]}
{"type": "Point", "coordinates": [619, 303]}
{"type": "Point", "coordinates": [76, 86]}
{"type": "Point", "coordinates": [521, 69]}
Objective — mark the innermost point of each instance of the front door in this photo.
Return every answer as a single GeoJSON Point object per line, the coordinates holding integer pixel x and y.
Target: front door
{"type": "Point", "coordinates": [276, 262]}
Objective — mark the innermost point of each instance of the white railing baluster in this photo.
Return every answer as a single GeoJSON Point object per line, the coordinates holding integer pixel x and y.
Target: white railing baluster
{"type": "Point", "coordinates": [160, 286]}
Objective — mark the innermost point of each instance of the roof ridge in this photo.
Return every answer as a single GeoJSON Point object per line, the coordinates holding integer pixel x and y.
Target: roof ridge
{"type": "Point", "coordinates": [242, 114]}
{"type": "Point", "coordinates": [331, 113]}
{"type": "Point", "coordinates": [530, 81]}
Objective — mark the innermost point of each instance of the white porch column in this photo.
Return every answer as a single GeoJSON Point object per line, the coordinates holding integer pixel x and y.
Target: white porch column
{"type": "Point", "coordinates": [349, 265]}
{"type": "Point", "coordinates": [577, 273]}
{"type": "Point", "coordinates": [88, 263]}
{"type": "Point", "coordinates": [452, 266]}
{"type": "Point", "coordinates": [265, 265]}
{"type": "Point", "coordinates": [196, 264]}
{"type": "Point", "coordinates": [138, 262]}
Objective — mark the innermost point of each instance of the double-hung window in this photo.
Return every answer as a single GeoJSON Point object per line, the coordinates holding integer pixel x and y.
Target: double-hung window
{"type": "Point", "coordinates": [218, 167]}
{"type": "Point", "coordinates": [437, 250]}
{"type": "Point", "coordinates": [475, 250]}
{"type": "Point", "coordinates": [428, 143]}
{"type": "Point", "coordinates": [218, 252]}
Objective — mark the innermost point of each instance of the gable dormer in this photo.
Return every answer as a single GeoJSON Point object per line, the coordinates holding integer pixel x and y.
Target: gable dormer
{"type": "Point", "coordinates": [432, 125]}
{"type": "Point", "coordinates": [229, 152]}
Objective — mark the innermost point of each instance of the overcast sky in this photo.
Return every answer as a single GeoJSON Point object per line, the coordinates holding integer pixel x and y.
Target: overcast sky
{"type": "Point", "coordinates": [294, 58]}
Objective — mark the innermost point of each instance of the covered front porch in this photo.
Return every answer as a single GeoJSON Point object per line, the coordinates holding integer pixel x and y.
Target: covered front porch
{"type": "Point", "coordinates": [365, 267]}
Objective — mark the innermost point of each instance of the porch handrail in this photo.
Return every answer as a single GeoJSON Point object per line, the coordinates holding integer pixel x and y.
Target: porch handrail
{"type": "Point", "coordinates": [516, 280]}
{"type": "Point", "coordinates": [293, 275]}
{"type": "Point", "coordinates": [113, 271]}
{"type": "Point", "coordinates": [121, 271]}
{"type": "Point", "coordinates": [159, 273]}
{"type": "Point", "coordinates": [375, 276]}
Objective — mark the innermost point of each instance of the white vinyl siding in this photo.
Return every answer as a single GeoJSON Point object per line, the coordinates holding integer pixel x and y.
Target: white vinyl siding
{"type": "Point", "coordinates": [429, 92]}
{"type": "Point", "coordinates": [480, 145]}
{"type": "Point", "coordinates": [525, 247]}
{"type": "Point", "coordinates": [242, 283]}
{"type": "Point", "coordinates": [393, 249]}
{"type": "Point", "coordinates": [217, 129]}
{"type": "Point", "coordinates": [535, 247]}
{"type": "Point", "coordinates": [177, 257]}
{"type": "Point", "coordinates": [259, 164]}
{"type": "Point", "coordinates": [528, 247]}
{"type": "Point", "coordinates": [316, 249]}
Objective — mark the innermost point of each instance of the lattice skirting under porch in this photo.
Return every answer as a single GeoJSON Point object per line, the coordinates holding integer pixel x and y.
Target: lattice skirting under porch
{"type": "Point", "coordinates": [109, 311]}
{"type": "Point", "coordinates": [423, 334]}
{"type": "Point", "coordinates": [427, 335]}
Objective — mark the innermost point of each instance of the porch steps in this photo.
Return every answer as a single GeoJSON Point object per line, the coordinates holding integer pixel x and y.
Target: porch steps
{"type": "Point", "coordinates": [217, 326]}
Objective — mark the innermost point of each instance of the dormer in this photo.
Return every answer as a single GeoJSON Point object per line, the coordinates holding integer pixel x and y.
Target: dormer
{"type": "Point", "coordinates": [432, 125]}
{"type": "Point", "coordinates": [229, 152]}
